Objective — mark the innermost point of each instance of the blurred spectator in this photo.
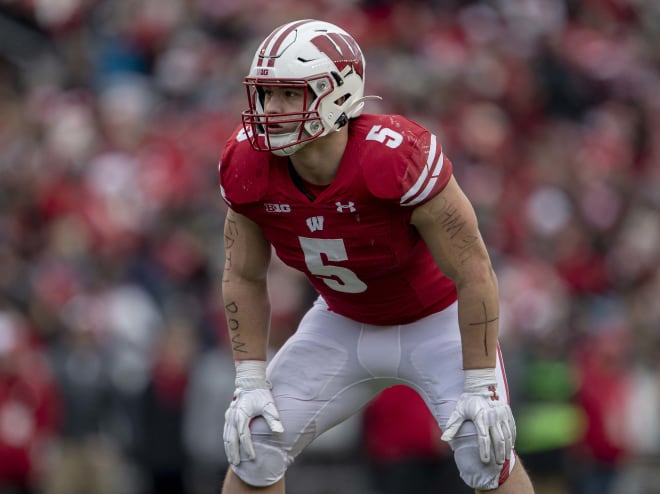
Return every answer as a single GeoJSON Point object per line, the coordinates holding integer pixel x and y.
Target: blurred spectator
{"type": "Point", "coordinates": [161, 426]}
{"type": "Point", "coordinates": [208, 394]}
{"type": "Point", "coordinates": [603, 391]}
{"type": "Point", "coordinates": [29, 407]}
{"type": "Point", "coordinates": [84, 458]}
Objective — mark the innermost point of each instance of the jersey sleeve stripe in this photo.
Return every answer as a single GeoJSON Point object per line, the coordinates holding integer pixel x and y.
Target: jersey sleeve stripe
{"type": "Point", "coordinates": [427, 190]}
{"type": "Point", "coordinates": [413, 196]}
{"type": "Point", "coordinates": [415, 188]}
{"type": "Point", "coordinates": [422, 178]}
{"type": "Point", "coordinates": [438, 165]}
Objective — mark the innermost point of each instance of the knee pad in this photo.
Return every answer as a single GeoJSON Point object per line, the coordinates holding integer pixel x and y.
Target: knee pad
{"type": "Point", "coordinates": [473, 471]}
{"type": "Point", "coordinates": [270, 462]}
{"type": "Point", "coordinates": [267, 467]}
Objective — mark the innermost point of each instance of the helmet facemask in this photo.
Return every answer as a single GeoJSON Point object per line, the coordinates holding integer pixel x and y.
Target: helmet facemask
{"type": "Point", "coordinates": [257, 122]}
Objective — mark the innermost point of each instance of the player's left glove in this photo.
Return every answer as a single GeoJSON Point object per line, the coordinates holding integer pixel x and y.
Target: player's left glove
{"type": "Point", "coordinates": [492, 416]}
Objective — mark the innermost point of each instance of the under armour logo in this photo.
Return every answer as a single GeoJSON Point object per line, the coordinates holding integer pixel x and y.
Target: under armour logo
{"type": "Point", "coordinates": [315, 223]}
{"type": "Point", "coordinates": [494, 396]}
{"type": "Point", "coordinates": [342, 207]}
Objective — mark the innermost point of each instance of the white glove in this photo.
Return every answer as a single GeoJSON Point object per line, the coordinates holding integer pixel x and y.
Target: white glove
{"type": "Point", "coordinates": [252, 398]}
{"type": "Point", "coordinates": [492, 416]}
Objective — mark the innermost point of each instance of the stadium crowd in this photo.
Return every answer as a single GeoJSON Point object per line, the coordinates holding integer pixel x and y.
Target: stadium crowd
{"type": "Point", "coordinates": [114, 372]}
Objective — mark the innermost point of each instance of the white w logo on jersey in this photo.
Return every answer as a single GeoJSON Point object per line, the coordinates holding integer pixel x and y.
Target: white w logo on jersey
{"type": "Point", "coordinates": [315, 223]}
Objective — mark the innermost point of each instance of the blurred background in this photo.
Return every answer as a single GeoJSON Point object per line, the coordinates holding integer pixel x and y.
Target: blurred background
{"type": "Point", "coordinates": [114, 368]}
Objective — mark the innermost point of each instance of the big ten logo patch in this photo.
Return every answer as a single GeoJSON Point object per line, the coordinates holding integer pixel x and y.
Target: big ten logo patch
{"type": "Point", "coordinates": [277, 208]}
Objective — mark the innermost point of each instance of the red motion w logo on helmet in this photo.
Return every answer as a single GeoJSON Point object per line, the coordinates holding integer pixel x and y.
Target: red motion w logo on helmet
{"type": "Point", "coordinates": [342, 50]}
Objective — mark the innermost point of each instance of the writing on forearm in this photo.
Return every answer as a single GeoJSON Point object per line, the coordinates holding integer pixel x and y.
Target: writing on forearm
{"type": "Point", "coordinates": [464, 246]}
{"type": "Point", "coordinates": [237, 345]}
{"type": "Point", "coordinates": [231, 232]}
{"type": "Point", "coordinates": [485, 322]}
{"type": "Point", "coordinates": [451, 221]}
{"type": "Point", "coordinates": [455, 226]}
{"type": "Point", "coordinates": [231, 311]}
{"type": "Point", "coordinates": [225, 275]}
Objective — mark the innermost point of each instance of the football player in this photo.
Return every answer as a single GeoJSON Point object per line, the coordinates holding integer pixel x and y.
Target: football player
{"type": "Point", "coordinates": [367, 207]}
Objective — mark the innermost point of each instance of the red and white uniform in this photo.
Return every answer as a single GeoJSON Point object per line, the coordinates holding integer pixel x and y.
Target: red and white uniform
{"type": "Point", "coordinates": [386, 314]}
{"type": "Point", "coordinates": [354, 241]}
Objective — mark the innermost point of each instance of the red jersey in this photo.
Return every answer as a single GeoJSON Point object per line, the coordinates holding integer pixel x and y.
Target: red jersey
{"type": "Point", "coordinates": [354, 240]}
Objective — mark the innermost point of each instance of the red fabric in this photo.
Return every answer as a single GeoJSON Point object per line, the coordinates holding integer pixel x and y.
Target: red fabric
{"type": "Point", "coordinates": [29, 413]}
{"type": "Point", "coordinates": [354, 241]}
{"type": "Point", "coordinates": [584, 272]}
{"type": "Point", "coordinates": [602, 396]}
{"type": "Point", "coordinates": [170, 382]}
{"type": "Point", "coordinates": [398, 426]}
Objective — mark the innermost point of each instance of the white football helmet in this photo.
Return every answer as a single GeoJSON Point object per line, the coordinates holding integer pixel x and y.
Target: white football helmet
{"type": "Point", "coordinates": [319, 57]}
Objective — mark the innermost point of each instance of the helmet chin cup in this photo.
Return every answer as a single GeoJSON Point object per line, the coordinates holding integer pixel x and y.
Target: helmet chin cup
{"type": "Point", "coordinates": [279, 144]}
{"type": "Point", "coordinates": [319, 57]}
{"type": "Point", "coordinates": [288, 150]}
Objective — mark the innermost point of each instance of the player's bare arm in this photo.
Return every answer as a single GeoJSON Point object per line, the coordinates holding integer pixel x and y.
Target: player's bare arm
{"type": "Point", "coordinates": [449, 227]}
{"type": "Point", "coordinates": [244, 287]}
{"type": "Point", "coordinates": [247, 308]}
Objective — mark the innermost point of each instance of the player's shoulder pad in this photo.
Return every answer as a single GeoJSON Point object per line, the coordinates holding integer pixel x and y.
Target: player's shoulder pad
{"type": "Point", "coordinates": [403, 161]}
{"type": "Point", "coordinates": [243, 172]}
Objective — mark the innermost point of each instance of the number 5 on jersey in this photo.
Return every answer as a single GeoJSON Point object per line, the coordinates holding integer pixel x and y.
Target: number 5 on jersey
{"type": "Point", "coordinates": [336, 277]}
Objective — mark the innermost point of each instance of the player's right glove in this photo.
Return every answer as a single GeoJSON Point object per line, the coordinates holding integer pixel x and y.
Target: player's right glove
{"type": "Point", "coordinates": [252, 398]}
{"type": "Point", "coordinates": [492, 416]}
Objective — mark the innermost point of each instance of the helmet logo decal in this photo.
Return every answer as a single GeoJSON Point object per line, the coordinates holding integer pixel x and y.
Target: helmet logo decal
{"type": "Point", "coordinates": [275, 45]}
{"type": "Point", "coordinates": [342, 50]}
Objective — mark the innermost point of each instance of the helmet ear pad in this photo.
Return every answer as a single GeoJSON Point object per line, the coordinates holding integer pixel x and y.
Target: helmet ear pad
{"type": "Point", "coordinates": [333, 102]}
